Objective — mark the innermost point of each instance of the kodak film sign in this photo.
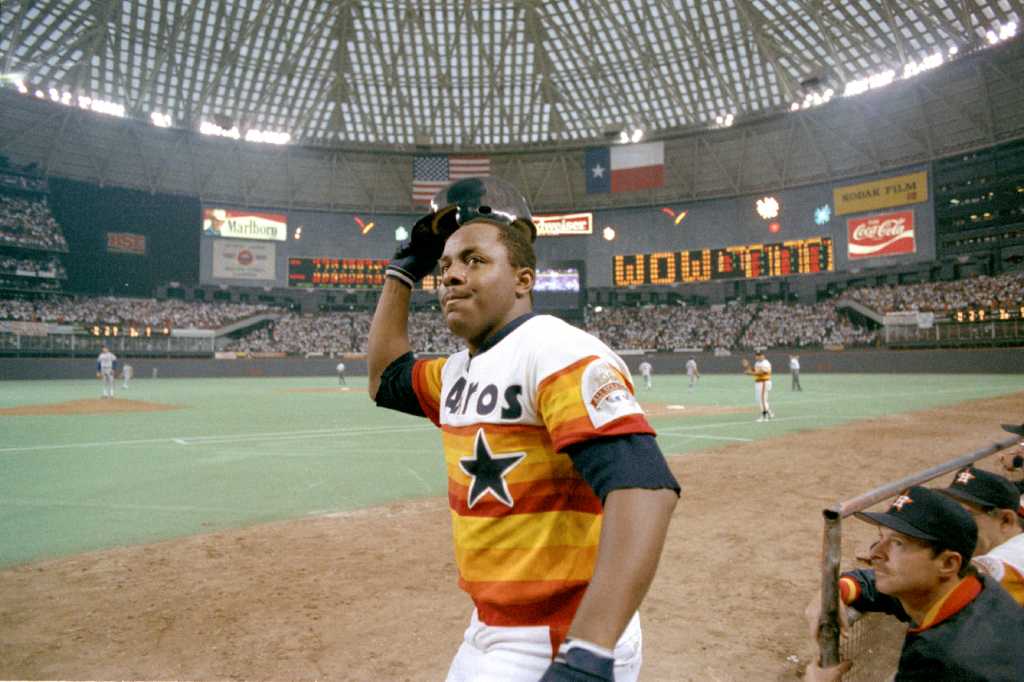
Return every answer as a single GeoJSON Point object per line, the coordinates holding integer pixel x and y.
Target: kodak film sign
{"type": "Point", "coordinates": [885, 234]}
{"type": "Point", "coordinates": [899, 190]}
{"type": "Point", "coordinates": [565, 224]}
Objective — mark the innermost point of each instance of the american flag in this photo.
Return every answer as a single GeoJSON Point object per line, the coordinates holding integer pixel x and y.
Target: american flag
{"type": "Point", "coordinates": [432, 173]}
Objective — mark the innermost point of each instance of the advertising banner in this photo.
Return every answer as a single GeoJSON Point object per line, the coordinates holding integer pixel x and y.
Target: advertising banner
{"type": "Point", "coordinates": [565, 224]}
{"type": "Point", "coordinates": [884, 234]}
{"type": "Point", "coordinates": [898, 190]}
{"type": "Point", "coordinates": [244, 224]}
{"type": "Point", "coordinates": [126, 242]}
{"type": "Point", "coordinates": [243, 260]}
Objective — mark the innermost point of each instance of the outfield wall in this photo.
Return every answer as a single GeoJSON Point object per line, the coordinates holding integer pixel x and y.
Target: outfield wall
{"type": "Point", "coordinates": [958, 361]}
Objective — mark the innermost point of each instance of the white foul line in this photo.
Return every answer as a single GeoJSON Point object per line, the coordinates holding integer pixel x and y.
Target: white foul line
{"type": "Point", "coordinates": [203, 440]}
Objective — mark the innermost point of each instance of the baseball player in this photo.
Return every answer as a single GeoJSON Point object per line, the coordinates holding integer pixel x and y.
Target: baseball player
{"type": "Point", "coordinates": [341, 373]}
{"type": "Point", "coordinates": [645, 372]}
{"type": "Point", "coordinates": [126, 374]}
{"type": "Point", "coordinates": [794, 371]}
{"type": "Point", "coordinates": [993, 501]}
{"type": "Point", "coordinates": [559, 494]}
{"type": "Point", "coordinates": [106, 365]}
{"type": "Point", "coordinates": [762, 373]}
{"type": "Point", "coordinates": [691, 372]}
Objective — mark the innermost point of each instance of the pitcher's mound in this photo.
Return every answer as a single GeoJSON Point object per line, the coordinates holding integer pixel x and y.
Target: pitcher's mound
{"type": "Point", "coordinates": [94, 406]}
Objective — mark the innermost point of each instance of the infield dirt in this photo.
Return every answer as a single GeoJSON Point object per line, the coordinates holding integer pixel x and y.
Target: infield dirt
{"type": "Point", "coordinates": [93, 406]}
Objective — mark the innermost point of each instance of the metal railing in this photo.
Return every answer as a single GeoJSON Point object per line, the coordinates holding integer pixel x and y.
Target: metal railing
{"type": "Point", "coordinates": [86, 345]}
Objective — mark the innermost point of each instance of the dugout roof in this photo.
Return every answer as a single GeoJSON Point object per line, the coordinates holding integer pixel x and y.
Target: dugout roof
{"type": "Point", "coordinates": [477, 73]}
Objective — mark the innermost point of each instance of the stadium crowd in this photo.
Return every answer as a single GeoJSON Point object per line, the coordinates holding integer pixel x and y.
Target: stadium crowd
{"type": "Point", "coordinates": [733, 326]}
{"type": "Point", "coordinates": [669, 327]}
{"type": "Point", "coordinates": [778, 324]}
{"type": "Point", "coordinates": [29, 224]}
{"type": "Point", "coordinates": [142, 311]}
{"type": "Point", "coordinates": [944, 297]}
{"type": "Point", "coordinates": [334, 333]}
{"type": "Point", "coordinates": [726, 327]}
{"type": "Point", "coordinates": [16, 265]}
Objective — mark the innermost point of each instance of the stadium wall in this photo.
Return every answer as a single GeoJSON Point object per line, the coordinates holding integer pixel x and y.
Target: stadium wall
{"type": "Point", "coordinates": [966, 361]}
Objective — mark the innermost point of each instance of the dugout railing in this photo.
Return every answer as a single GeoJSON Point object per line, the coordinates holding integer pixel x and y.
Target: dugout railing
{"type": "Point", "coordinates": [862, 644]}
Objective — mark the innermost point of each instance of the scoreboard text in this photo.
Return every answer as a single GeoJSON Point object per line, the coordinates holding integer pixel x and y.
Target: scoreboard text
{"type": "Point", "coordinates": [336, 273]}
{"type": "Point", "coordinates": [795, 257]}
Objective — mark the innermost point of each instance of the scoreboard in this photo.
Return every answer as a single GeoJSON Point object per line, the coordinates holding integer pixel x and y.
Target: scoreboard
{"type": "Point", "coordinates": [794, 257]}
{"type": "Point", "coordinates": [979, 314]}
{"type": "Point", "coordinates": [336, 273]}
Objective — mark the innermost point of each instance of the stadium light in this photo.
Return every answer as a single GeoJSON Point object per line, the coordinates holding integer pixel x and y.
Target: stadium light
{"type": "Point", "coordinates": [768, 208]}
{"type": "Point", "coordinates": [401, 234]}
{"type": "Point", "coordinates": [267, 137]}
{"type": "Point", "coordinates": [207, 128]}
{"type": "Point", "coordinates": [160, 120]}
{"type": "Point", "coordinates": [608, 233]}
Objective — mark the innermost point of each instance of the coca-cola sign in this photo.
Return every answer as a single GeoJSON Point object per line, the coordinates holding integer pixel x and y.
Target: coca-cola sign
{"type": "Point", "coordinates": [885, 234]}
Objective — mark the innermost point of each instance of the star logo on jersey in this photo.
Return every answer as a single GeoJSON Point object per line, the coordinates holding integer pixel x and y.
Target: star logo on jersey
{"type": "Point", "coordinates": [487, 472]}
{"type": "Point", "coordinates": [965, 477]}
{"type": "Point", "coordinates": [901, 501]}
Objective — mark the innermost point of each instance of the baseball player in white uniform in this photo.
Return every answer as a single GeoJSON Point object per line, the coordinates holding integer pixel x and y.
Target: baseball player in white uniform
{"type": "Point", "coordinates": [106, 363]}
{"type": "Point", "coordinates": [692, 372]}
{"type": "Point", "coordinates": [762, 373]}
{"type": "Point", "coordinates": [559, 494]}
{"type": "Point", "coordinates": [341, 373]}
{"type": "Point", "coordinates": [127, 373]}
{"type": "Point", "coordinates": [645, 372]}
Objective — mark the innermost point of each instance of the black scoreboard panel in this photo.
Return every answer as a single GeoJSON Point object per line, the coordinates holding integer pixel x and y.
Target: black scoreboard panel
{"type": "Point", "coordinates": [979, 314]}
{"type": "Point", "coordinates": [794, 257]}
{"type": "Point", "coordinates": [336, 273]}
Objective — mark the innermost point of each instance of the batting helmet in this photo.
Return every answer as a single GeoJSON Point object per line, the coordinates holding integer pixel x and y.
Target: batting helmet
{"type": "Point", "coordinates": [486, 198]}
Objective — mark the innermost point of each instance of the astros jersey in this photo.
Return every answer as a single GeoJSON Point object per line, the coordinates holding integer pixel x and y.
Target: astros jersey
{"type": "Point", "coordinates": [1005, 563]}
{"type": "Point", "coordinates": [645, 368]}
{"type": "Point", "coordinates": [762, 370]}
{"type": "Point", "coordinates": [691, 366]}
{"type": "Point", "coordinates": [526, 525]}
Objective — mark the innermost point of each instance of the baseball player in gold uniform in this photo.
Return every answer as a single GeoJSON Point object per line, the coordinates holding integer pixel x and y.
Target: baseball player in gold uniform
{"type": "Point", "coordinates": [762, 373]}
{"type": "Point", "coordinates": [560, 498]}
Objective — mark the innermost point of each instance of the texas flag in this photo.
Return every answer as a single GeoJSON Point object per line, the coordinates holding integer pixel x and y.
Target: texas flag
{"type": "Point", "coordinates": [625, 168]}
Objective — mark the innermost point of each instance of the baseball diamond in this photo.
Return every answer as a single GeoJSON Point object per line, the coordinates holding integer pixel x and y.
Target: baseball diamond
{"type": "Point", "coordinates": [257, 517]}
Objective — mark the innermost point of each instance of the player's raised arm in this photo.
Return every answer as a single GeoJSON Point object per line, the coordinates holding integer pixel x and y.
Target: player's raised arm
{"type": "Point", "coordinates": [389, 331]}
{"type": "Point", "coordinates": [414, 260]}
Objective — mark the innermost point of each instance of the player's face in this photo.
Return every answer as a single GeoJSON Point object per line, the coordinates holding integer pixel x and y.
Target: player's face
{"type": "Point", "coordinates": [991, 531]}
{"type": "Point", "coordinates": [904, 566]}
{"type": "Point", "coordinates": [480, 290]}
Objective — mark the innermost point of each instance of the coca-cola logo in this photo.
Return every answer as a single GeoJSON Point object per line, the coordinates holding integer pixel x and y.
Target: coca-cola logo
{"type": "Point", "coordinates": [881, 235]}
{"type": "Point", "coordinates": [879, 230]}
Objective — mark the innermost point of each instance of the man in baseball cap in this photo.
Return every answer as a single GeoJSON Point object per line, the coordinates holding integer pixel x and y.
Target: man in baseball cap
{"type": "Point", "coordinates": [993, 502]}
{"type": "Point", "coordinates": [921, 574]}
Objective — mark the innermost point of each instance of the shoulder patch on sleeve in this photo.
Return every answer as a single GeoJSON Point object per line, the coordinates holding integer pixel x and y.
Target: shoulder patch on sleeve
{"type": "Point", "coordinates": [606, 394]}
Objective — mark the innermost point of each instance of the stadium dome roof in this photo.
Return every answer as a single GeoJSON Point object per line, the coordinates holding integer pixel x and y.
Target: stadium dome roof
{"type": "Point", "coordinates": [478, 73]}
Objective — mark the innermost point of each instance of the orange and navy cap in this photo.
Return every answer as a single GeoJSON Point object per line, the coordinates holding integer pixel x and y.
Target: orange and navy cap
{"type": "Point", "coordinates": [983, 489]}
{"type": "Point", "coordinates": [929, 515]}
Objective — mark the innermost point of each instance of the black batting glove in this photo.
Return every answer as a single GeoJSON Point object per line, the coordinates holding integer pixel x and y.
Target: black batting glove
{"type": "Point", "coordinates": [580, 661]}
{"type": "Point", "coordinates": [417, 255]}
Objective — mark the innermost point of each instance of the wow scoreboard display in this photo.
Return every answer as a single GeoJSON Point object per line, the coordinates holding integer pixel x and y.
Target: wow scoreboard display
{"type": "Point", "coordinates": [336, 273]}
{"type": "Point", "coordinates": [794, 257]}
